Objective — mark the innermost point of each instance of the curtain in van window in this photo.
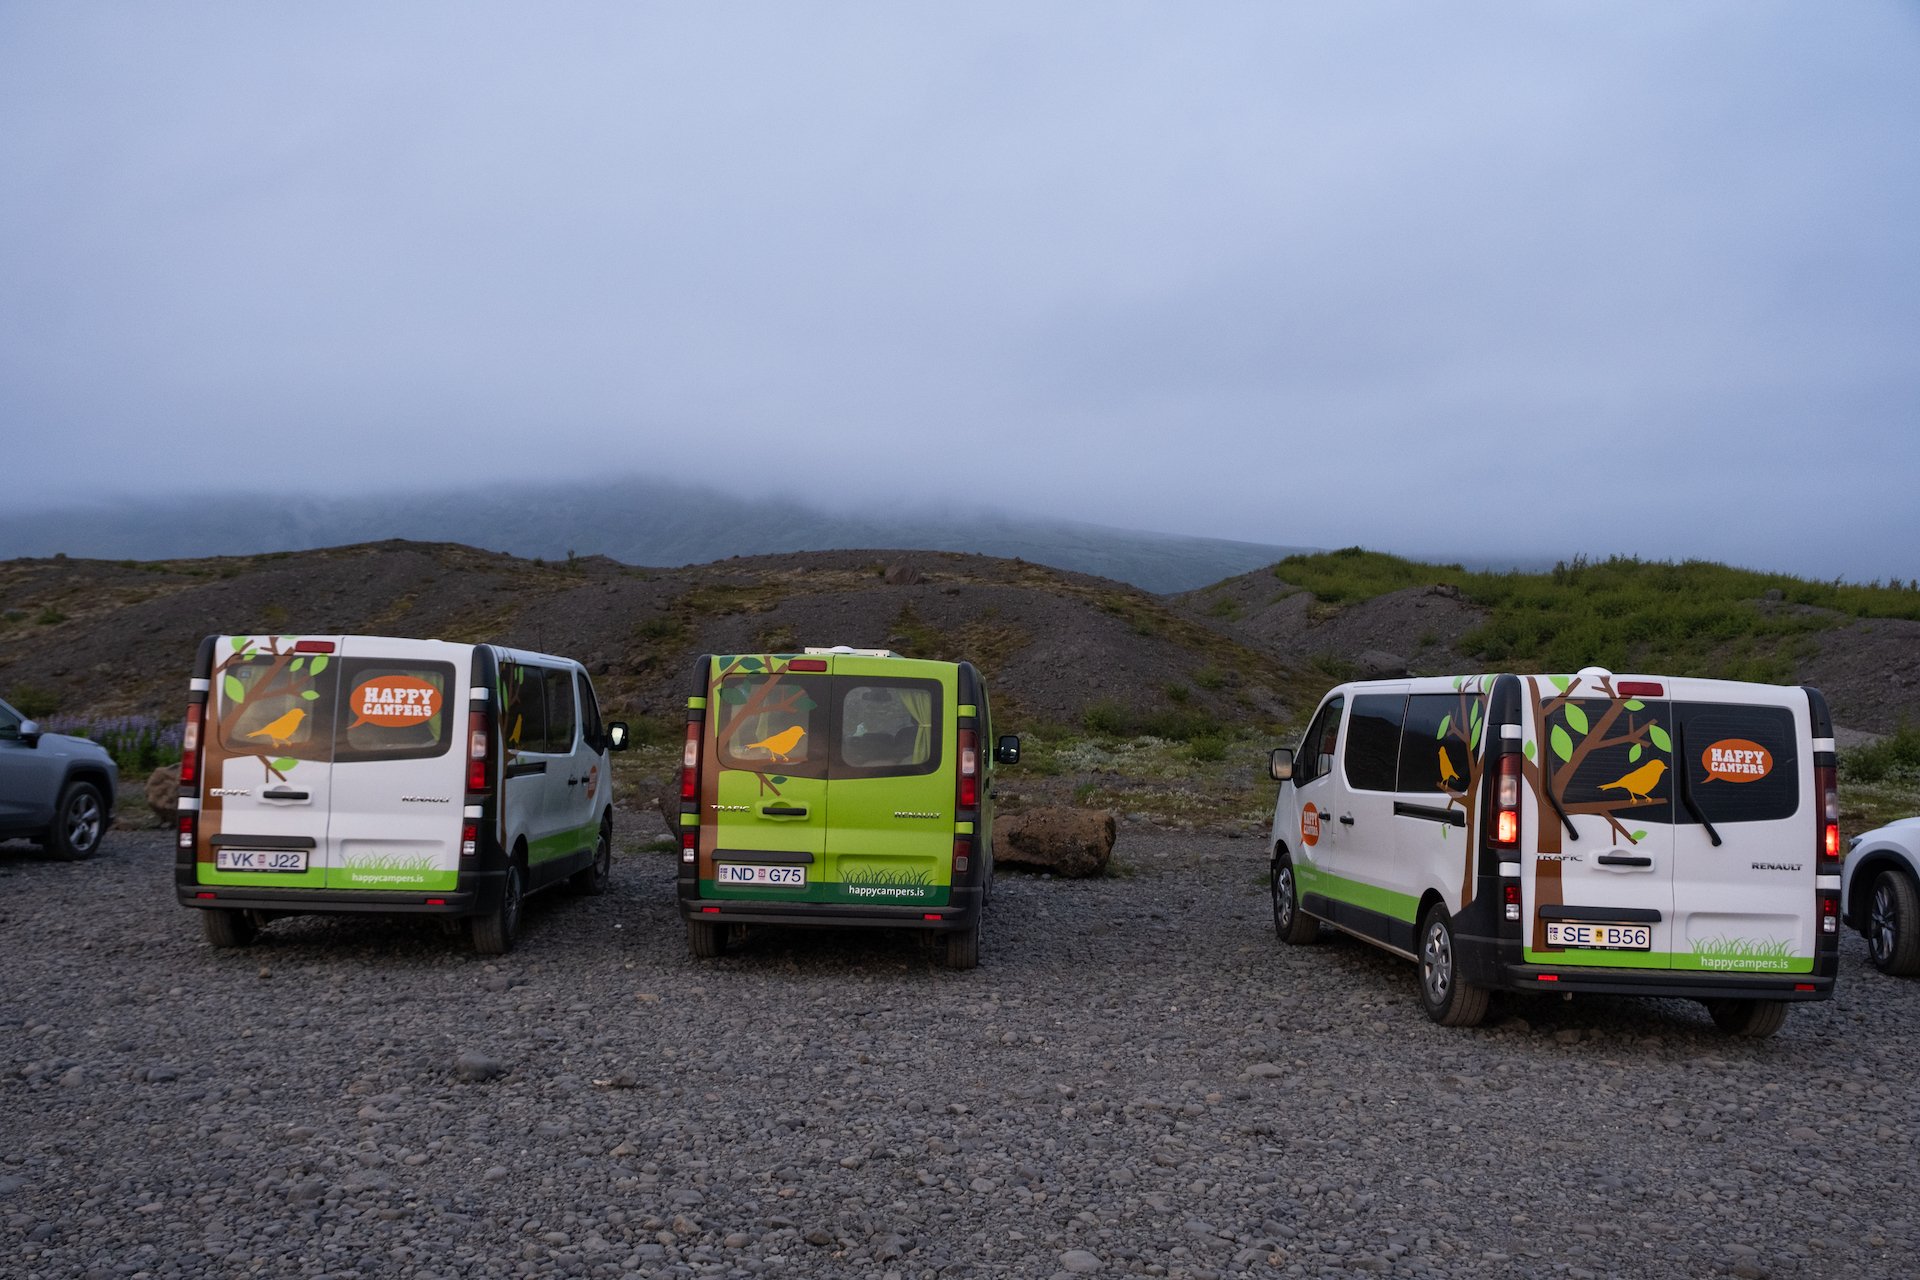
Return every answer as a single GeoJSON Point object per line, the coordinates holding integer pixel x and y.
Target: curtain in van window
{"type": "Point", "coordinates": [1743, 762]}
{"type": "Point", "coordinates": [888, 727]}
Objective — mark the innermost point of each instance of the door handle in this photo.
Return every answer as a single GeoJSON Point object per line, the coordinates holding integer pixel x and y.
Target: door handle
{"type": "Point", "coordinates": [284, 795]}
{"type": "Point", "coordinates": [573, 782]}
{"type": "Point", "coordinates": [1346, 819]}
{"type": "Point", "coordinates": [783, 811]}
{"type": "Point", "coordinates": [1624, 860]}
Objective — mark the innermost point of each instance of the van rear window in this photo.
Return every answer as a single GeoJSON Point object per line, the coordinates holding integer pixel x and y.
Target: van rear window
{"type": "Point", "coordinates": [773, 724]}
{"type": "Point", "coordinates": [888, 728]}
{"type": "Point", "coordinates": [278, 705]}
{"type": "Point", "coordinates": [394, 710]}
{"type": "Point", "coordinates": [325, 708]}
{"type": "Point", "coordinates": [1743, 762]}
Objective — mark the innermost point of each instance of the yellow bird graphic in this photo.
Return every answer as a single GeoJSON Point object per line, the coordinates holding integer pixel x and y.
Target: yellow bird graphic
{"type": "Point", "coordinates": [513, 739]}
{"type": "Point", "coordinates": [1447, 774]}
{"type": "Point", "coordinates": [280, 732]}
{"type": "Point", "coordinates": [782, 742]}
{"type": "Point", "coordinates": [1641, 781]}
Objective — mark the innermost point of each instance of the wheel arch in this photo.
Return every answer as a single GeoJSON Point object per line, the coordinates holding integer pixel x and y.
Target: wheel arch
{"type": "Point", "coordinates": [1882, 859]}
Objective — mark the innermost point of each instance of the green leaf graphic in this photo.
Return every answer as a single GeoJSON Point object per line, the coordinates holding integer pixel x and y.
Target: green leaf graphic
{"type": "Point", "coordinates": [1638, 836]}
{"type": "Point", "coordinates": [1527, 749]}
{"type": "Point", "coordinates": [1562, 744]}
{"type": "Point", "coordinates": [1560, 682]}
{"type": "Point", "coordinates": [1473, 739]}
{"type": "Point", "coordinates": [775, 779]}
{"type": "Point", "coordinates": [284, 763]}
{"type": "Point", "coordinates": [1577, 719]}
{"type": "Point", "coordinates": [1634, 704]}
{"type": "Point", "coordinates": [1660, 738]}
{"type": "Point", "coordinates": [732, 694]}
{"type": "Point", "coordinates": [296, 664]}
{"type": "Point", "coordinates": [751, 664]}
{"type": "Point", "coordinates": [319, 665]}
{"type": "Point", "coordinates": [240, 643]}
{"type": "Point", "coordinates": [1633, 753]}
{"type": "Point", "coordinates": [236, 692]}
{"type": "Point", "coordinates": [805, 703]}
{"type": "Point", "coordinates": [309, 694]}
{"type": "Point", "coordinates": [1446, 722]}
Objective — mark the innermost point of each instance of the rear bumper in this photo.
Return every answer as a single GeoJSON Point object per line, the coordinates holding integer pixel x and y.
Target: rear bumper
{"type": "Point", "coordinates": [1687, 985]}
{"type": "Point", "coordinates": [962, 911]}
{"type": "Point", "coordinates": [479, 892]}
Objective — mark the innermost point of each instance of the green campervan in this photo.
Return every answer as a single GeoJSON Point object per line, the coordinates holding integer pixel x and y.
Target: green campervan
{"type": "Point", "coordinates": [838, 787]}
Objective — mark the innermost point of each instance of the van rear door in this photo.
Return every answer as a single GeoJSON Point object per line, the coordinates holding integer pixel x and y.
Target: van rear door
{"type": "Point", "coordinates": [398, 784]}
{"type": "Point", "coordinates": [266, 784]}
{"type": "Point", "coordinates": [763, 796]}
{"type": "Point", "coordinates": [893, 768]}
{"type": "Point", "coordinates": [1747, 904]}
{"type": "Point", "coordinates": [1602, 892]}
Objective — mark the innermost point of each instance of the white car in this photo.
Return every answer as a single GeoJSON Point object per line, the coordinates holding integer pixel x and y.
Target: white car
{"type": "Point", "coordinates": [1881, 894]}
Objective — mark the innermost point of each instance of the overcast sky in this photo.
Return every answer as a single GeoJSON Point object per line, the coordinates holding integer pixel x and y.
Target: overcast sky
{"type": "Point", "coordinates": [1527, 279]}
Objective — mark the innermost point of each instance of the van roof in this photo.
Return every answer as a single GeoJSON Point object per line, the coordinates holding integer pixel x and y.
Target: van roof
{"type": "Point", "coordinates": [851, 652]}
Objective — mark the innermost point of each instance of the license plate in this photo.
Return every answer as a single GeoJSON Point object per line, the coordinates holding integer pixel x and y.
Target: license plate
{"type": "Point", "coordinates": [738, 873]}
{"type": "Point", "coordinates": [260, 859]}
{"type": "Point", "coordinates": [1605, 937]}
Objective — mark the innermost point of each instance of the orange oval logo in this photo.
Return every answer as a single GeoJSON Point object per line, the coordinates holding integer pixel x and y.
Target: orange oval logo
{"type": "Point", "coordinates": [1309, 826]}
{"type": "Point", "coordinates": [1736, 760]}
{"type": "Point", "coordinates": [394, 702]}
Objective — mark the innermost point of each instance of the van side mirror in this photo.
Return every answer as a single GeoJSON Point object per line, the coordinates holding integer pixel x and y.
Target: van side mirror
{"type": "Point", "coordinates": [29, 732]}
{"type": "Point", "coordinates": [1007, 750]}
{"type": "Point", "coordinates": [617, 736]}
{"type": "Point", "coordinates": [1280, 764]}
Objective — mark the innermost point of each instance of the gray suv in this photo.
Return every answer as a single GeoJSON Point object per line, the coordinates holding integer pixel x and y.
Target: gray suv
{"type": "Point", "coordinates": [54, 790]}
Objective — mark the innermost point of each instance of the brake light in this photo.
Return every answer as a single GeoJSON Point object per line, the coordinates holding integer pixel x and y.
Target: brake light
{"type": "Point", "coordinates": [969, 769]}
{"type": "Point", "coordinates": [1826, 786]}
{"type": "Point", "coordinates": [690, 763]}
{"type": "Point", "coordinates": [807, 664]}
{"type": "Point", "coordinates": [313, 646]}
{"type": "Point", "coordinates": [1506, 804]}
{"type": "Point", "coordinates": [190, 747]}
{"type": "Point", "coordinates": [1640, 689]}
{"type": "Point", "coordinates": [478, 743]}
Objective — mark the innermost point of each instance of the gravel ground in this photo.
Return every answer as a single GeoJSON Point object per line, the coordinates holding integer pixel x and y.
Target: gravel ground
{"type": "Point", "coordinates": [1138, 1080]}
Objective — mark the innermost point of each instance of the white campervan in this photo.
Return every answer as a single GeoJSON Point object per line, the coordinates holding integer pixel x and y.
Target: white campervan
{"type": "Point", "coordinates": [1639, 835]}
{"type": "Point", "coordinates": [372, 774]}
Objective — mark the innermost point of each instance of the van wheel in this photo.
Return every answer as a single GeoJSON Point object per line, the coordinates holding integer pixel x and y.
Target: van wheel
{"type": "Point", "coordinates": [1289, 921]}
{"type": "Point", "coordinates": [1749, 1019]}
{"type": "Point", "coordinates": [78, 823]}
{"type": "Point", "coordinates": [594, 878]}
{"type": "Point", "coordinates": [1893, 925]}
{"type": "Point", "coordinates": [1449, 999]}
{"type": "Point", "coordinates": [494, 933]}
{"type": "Point", "coordinates": [961, 948]}
{"type": "Point", "coordinates": [706, 940]}
{"type": "Point", "coordinates": [227, 929]}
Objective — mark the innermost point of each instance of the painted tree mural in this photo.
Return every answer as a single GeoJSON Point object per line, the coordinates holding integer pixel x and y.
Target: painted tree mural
{"type": "Point", "coordinates": [283, 675]}
{"type": "Point", "coordinates": [1576, 727]}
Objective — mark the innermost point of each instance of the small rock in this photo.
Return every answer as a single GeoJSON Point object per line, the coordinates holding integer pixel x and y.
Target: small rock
{"type": "Point", "coordinates": [163, 793]}
{"type": "Point", "coordinates": [472, 1066]}
{"type": "Point", "coordinates": [1080, 1262]}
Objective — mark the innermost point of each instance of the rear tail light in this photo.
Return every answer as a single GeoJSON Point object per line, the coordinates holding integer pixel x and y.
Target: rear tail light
{"type": "Point", "coordinates": [962, 854]}
{"type": "Point", "coordinates": [1829, 914]}
{"type": "Point", "coordinates": [688, 846]}
{"type": "Point", "coordinates": [187, 830]}
{"type": "Point", "coordinates": [1506, 804]}
{"type": "Point", "coordinates": [969, 797]}
{"type": "Point", "coordinates": [690, 763]}
{"type": "Point", "coordinates": [469, 839]}
{"type": "Point", "coordinates": [478, 741]}
{"type": "Point", "coordinates": [190, 747]}
{"type": "Point", "coordinates": [1826, 785]}
{"type": "Point", "coordinates": [1513, 901]}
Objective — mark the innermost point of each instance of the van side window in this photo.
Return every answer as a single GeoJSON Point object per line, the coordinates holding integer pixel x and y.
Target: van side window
{"type": "Point", "coordinates": [1440, 743]}
{"type": "Point", "coordinates": [888, 728]}
{"type": "Point", "coordinates": [523, 720]}
{"type": "Point", "coordinates": [773, 724]}
{"type": "Point", "coordinates": [1373, 740]}
{"type": "Point", "coordinates": [394, 710]}
{"type": "Point", "coordinates": [1743, 761]}
{"type": "Point", "coordinates": [1316, 749]}
{"type": "Point", "coordinates": [560, 717]}
{"type": "Point", "coordinates": [591, 727]}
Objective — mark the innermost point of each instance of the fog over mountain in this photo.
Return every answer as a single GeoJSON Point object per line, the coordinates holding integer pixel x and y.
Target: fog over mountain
{"type": "Point", "coordinates": [637, 521]}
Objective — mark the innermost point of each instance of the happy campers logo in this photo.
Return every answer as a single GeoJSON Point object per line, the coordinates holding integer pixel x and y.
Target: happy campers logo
{"type": "Point", "coordinates": [1309, 826]}
{"type": "Point", "coordinates": [394, 702]}
{"type": "Point", "coordinates": [1736, 760]}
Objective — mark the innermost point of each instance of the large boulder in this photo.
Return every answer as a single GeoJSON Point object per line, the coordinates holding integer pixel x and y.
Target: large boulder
{"type": "Point", "coordinates": [1064, 842]}
{"type": "Point", "coordinates": [163, 793]}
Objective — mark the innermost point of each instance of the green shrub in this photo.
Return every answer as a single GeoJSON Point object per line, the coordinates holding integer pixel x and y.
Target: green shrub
{"type": "Point", "coordinates": [1208, 749]}
{"type": "Point", "coordinates": [1891, 757]}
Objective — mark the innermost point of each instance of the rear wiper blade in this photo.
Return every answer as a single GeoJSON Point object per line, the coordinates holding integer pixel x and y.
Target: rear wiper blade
{"type": "Point", "coordinates": [1686, 787]}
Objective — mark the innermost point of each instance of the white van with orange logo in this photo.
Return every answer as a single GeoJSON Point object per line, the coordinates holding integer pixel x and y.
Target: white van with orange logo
{"type": "Point", "coordinates": [372, 774]}
{"type": "Point", "coordinates": [1637, 835]}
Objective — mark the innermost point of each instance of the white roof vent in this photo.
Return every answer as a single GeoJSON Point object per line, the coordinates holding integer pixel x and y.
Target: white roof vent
{"type": "Point", "coordinates": [854, 653]}
{"type": "Point", "coordinates": [1595, 673]}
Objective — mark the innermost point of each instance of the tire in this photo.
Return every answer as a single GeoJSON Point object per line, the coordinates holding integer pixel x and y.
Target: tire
{"type": "Point", "coordinates": [1449, 999]}
{"type": "Point", "coordinates": [79, 821]}
{"type": "Point", "coordinates": [228, 929]}
{"type": "Point", "coordinates": [1748, 1019]}
{"type": "Point", "coordinates": [494, 933]}
{"type": "Point", "coordinates": [1893, 925]}
{"type": "Point", "coordinates": [594, 878]}
{"type": "Point", "coordinates": [961, 948]}
{"type": "Point", "coordinates": [705, 939]}
{"type": "Point", "coordinates": [1293, 925]}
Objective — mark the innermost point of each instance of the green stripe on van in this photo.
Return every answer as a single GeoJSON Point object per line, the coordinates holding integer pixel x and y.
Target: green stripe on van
{"type": "Point", "coordinates": [1690, 961]}
{"type": "Point", "coordinates": [1386, 902]}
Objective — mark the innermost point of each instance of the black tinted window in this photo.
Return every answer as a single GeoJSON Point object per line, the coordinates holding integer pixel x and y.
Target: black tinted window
{"type": "Point", "coordinates": [1613, 756]}
{"type": "Point", "coordinates": [1743, 762]}
{"type": "Point", "coordinates": [523, 707]}
{"type": "Point", "coordinates": [394, 710]}
{"type": "Point", "coordinates": [1316, 749]}
{"type": "Point", "coordinates": [1373, 740]}
{"type": "Point", "coordinates": [560, 718]}
{"type": "Point", "coordinates": [1441, 742]}
{"type": "Point", "coordinates": [590, 726]}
